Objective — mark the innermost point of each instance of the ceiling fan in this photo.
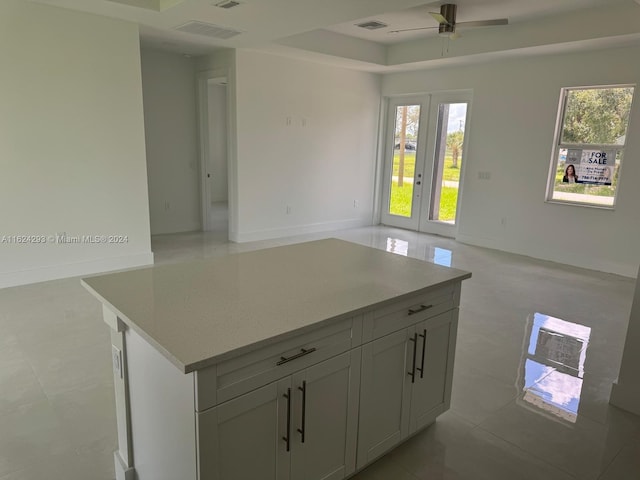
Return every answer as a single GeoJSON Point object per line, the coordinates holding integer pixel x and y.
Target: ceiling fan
{"type": "Point", "coordinates": [447, 22]}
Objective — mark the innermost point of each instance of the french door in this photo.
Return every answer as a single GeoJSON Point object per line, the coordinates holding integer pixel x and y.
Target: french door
{"type": "Point", "coordinates": [423, 165]}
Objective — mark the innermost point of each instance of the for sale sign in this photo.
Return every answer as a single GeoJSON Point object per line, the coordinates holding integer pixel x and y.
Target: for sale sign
{"type": "Point", "coordinates": [593, 167]}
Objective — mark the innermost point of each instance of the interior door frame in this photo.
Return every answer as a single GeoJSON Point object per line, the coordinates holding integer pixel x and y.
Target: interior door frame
{"type": "Point", "coordinates": [411, 222]}
{"type": "Point", "coordinates": [219, 76]}
{"type": "Point", "coordinates": [434, 226]}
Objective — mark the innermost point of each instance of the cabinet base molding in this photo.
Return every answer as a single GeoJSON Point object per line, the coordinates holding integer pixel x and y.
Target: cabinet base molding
{"type": "Point", "coordinates": [384, 450]}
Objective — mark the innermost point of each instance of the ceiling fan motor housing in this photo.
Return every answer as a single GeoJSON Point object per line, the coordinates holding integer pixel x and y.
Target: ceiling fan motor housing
{"type": "Point", "coordinates": [448, 11]}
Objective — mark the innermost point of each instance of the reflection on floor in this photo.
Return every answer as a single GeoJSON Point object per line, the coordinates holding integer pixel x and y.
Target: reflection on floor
{"type": "Point", "coordinates": [530, 391]}
{"type": "Point", "coordinates": [553, 369]}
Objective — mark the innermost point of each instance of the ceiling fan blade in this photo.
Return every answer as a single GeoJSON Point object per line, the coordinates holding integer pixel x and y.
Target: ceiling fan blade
{"type": "Point", "coordinates": [484, 23]}
{"type": "Point", "coordinates": [411, 29]}
{"type": "Point", "coordinates": [439, 18]}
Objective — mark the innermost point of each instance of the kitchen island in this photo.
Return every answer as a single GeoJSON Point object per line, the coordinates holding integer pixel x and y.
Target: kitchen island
{"type": "Point", "coordinates": [306, 361]}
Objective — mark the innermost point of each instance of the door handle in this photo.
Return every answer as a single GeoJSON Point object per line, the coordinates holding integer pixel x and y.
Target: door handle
{"type": "Point", "coordinates": [302, 353]}
{"type": "Point", "coordinates": [303, 428]}
{"type": "Point", "coordinates": [424, 345]}
{"type": "Point", "coordinates": [287, 438]}
{"type": "Point", "coordinates": [413, 311]}
{"type": "Point", "coordinates": [412, 373]}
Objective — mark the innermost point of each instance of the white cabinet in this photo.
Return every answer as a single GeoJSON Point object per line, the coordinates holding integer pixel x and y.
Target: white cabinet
{"type": "Point", "coordinates": [303, 362]}
{"type": "Point", "coordinates": [240, 438]}
{"type": "Point", "coordinates": [406, 383]}
{"type": "Point", "coordinates": [301, 427]}
{"type": "Point", "coordinates": [325, 412]}
{"type": "Point", "coordinates": [434, 348]}
{"type": "Point", "coordinates": [382, 396]}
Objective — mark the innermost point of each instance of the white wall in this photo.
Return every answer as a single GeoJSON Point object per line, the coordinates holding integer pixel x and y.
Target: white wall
{"type": "Point", "coordinates": [511, 136]}
{"type": "Point", "coordinates": [169, 90]}
{"type": "Point", "coordinates": [72, 152]}
{"type": "Point", "coordinates": [319, 164]}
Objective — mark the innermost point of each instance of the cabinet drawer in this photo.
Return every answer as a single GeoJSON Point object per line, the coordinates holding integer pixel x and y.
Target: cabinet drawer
{"type": "Point", "coordinates": [255, 369]}
{"type": "Point", "coordinates": [408, 312]}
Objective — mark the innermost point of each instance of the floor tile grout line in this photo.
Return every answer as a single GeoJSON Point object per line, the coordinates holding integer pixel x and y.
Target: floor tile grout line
{"type": "Point", "coordinates": [631, 439]}
{"type": "Point", "coordinates": [514, 403]}
{"type": "Point", "coordinates": [402, 467]}
{"type": "Point", "coordinates": [604, 470]}
{"type": "Point", "coordinates": [498, 379]}
{"type": "Point", "coordinates": [47, 395]}
{"type": "Point", "coordinates": [543, 460]}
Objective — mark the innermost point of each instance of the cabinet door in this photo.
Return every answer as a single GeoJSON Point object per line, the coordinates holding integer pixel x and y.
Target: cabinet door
{"type": "Point", "coordinates": [325, 419]}
{"type": "Point", "coordinates": [245, 437]}
{"type": "Point", "coordinates": [431, 392]}
{"type": "Point", "coordinates": [385, 391]}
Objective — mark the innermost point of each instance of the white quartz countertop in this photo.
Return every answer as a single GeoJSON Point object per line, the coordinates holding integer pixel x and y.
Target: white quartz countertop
{"type": "Point", "coordinates": [197, 314]}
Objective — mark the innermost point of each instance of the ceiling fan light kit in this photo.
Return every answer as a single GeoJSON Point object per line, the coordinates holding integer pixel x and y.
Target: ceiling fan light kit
{"type": "Point", "coordinates": [446, 19]}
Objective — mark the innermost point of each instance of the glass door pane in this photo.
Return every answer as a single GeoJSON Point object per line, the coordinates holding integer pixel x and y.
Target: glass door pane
{"type": "Point", "coordinates": [405, 146]}
{"type": "Point", "coordinates": [449, 148]}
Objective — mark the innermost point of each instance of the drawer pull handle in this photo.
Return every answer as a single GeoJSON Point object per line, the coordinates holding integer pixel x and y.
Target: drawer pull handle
{"type": "Point", "coordinates": [301, 353]}
{"type": "Point", "coordinates": [412, 373]}
{"type": "Point", "coordinates": [413, 311]}
{"type": "Point", "coordinates": [303, 428]}
{"type": "Point", "coordinates": [288, 437]}
{"type": "Point", "coordinates": [424, 346]}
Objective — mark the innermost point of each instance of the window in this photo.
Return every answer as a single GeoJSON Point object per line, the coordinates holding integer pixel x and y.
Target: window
{"type": "Point", "coordinates": [589, 146]}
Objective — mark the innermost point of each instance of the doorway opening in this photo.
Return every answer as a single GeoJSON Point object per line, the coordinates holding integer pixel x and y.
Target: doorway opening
{"type": "Point", "coordinates": [214, 171]}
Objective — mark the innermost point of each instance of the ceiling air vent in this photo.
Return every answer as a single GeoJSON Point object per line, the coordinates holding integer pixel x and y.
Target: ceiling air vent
{"type": "Point", "coordinates": [208, 30]}
{"type": "Point", "coordinates": [372, 25]}
{"type": "Point", "coordinates": [227, 4]}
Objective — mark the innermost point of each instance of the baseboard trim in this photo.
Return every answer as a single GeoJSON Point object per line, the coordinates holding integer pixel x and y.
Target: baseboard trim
{"type": "Point", "coordinates": [626, 270]}
{"type": "Point", "coordinates": [268, 234]}
{"type": "Point", "coordinates": [122, 471]}
{"type": "Point", "coordinates": [54, 272]}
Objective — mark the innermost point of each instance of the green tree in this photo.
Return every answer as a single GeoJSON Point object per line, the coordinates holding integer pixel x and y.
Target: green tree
{"type": "Point", "coordinates": [403, 132]}
{"type": "Point", "coordinates": [597, 116]}
{"type": "Point", "coordinates": [412, 113]}
{"type": "Point", "coordinates": [454, 144]}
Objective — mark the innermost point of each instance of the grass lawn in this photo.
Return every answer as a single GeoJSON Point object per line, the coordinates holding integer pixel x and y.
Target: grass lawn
{"type": "Point", "coordinates": [448, 203]}
{"type": "Point", "coordinates": [401, 201]}
{"type": "Point", "coordinates": [401, 196]}
{"type": "Point", "coordinates": [449, 173]}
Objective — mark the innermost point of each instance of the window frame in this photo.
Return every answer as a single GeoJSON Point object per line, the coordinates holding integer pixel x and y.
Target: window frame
{"type": "Point", "coordinates": [557, 146]}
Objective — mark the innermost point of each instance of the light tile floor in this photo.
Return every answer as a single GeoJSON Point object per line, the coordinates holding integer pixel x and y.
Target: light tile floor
{"type": "Point", "coordinates": [57, 415]}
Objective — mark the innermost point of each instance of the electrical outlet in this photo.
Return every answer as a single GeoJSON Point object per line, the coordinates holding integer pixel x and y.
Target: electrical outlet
{"type": "Point", "coordinates": [503, 221]}
{"type": "Point", "coordinates": [288, 210]}
{"type": "Point", "coordinates": [287, 121]}
{"type": "Point", "coordinates": [356, 204]}
{"type": "Point", "coordinates": [484, 175]}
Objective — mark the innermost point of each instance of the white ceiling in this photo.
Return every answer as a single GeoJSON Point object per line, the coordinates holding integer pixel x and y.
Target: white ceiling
{"type": "Point", "coordinates": [324, 30]}
{"type": "Point", "coordinates": [468, 10]}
